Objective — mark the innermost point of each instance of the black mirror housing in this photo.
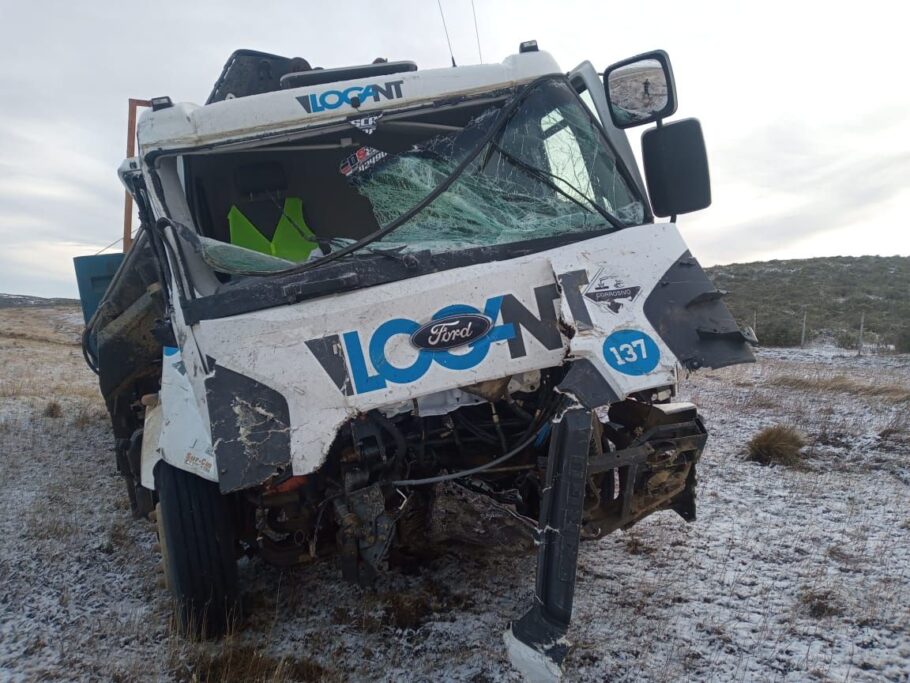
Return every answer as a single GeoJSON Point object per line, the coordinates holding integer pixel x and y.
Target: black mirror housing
{"type": "Point", "coordinates": [676, 168]}
{"type": "Point", "coordinates": [640, 89]}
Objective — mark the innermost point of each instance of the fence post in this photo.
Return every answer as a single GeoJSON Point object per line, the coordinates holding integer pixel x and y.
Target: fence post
{"type": "Point", "coordinates": [802, 337]}
{"type": "Point", "coordinates": [862, 322]}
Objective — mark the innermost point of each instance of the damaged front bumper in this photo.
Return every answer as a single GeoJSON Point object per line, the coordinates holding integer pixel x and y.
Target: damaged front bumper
{"type": "Point", "coordinates": [654, 470]}
{"type": "Point", "coordinates": [627, 308]}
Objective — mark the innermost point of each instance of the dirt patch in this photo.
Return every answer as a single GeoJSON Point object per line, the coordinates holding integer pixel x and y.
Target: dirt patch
{"type": "Point", "coordinates": [404, 610]}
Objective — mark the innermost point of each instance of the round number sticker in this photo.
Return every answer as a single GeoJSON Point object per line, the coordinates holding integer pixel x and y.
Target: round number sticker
{"type": "Point", "coordinates": [631, 352]}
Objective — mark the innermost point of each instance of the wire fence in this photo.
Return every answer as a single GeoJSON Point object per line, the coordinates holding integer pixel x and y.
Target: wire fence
{"type": "Point", "coordinates": [808, 328]}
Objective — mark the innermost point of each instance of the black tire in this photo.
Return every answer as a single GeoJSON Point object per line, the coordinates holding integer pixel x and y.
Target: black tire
{"type": "Point", "coordinates": [198, 552]}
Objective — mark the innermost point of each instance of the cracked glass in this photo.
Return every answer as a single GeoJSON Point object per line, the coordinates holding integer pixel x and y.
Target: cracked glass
{"type": "Point", "coordinates": [548, 172]}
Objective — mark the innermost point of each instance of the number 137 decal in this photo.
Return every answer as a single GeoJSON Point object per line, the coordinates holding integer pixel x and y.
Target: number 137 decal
{"type": "Point", "coordinates": [631, 352]}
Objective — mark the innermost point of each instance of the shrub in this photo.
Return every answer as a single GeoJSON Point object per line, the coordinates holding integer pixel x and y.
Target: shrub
{"type": "Point", "coordinates": [902, 341]}
{"type": "Point", "coordinates": [780, 332]}
{"type": "Point", "coordinates": [777, 445]}
{"type": "Point", "coordinates": [846, 339]}
{"type": "Point", "coordinates": [52, 409]}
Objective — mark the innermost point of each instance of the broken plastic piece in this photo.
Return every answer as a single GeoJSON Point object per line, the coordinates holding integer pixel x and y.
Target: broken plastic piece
{"type": "Point", "coordinates": [543, 627]}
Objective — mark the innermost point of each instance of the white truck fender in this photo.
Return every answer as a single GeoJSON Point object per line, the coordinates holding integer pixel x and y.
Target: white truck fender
{"type": "Point", "coordinates": [174, 430]}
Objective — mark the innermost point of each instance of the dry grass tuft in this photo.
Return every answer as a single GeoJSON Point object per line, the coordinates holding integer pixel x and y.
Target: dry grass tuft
{"type": "Point", "coordinates": [55, 326]}
{"type": "Point", "coordinates": [820, 603]}
{"type": "Point", "coordinates": [52, 409]}
{"type": "Point", "coordinates": [757, 401]}
{"type": "Point", "coordinates": [777, 445]}
{"type": "Point", "coordinates": [843, 384]}
{"type": "Point", "coordinates": [408, 612]}
{"type": "Point", "coordinates": [635, 546]}
{"type": "Point", "coordinates": [46, 524]}
{"type": "Point", "coordinates": [898, 426]}
{"type": "Point", "coordinates": [232, 661]}
{"type": "Point", "coordinates": [87, 415]}
{"type": "Point", "coordinates": [118, 535]}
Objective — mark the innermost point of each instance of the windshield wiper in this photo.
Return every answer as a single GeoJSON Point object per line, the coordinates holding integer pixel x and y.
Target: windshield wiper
{"type": "Point", "coordinates": [410, 260]}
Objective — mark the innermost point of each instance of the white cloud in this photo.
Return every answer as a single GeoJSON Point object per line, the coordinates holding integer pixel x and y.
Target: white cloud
{"type": "Point", "coordinates": [43, 268]}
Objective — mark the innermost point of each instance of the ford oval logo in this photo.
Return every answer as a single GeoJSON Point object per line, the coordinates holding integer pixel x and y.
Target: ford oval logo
{"type": "Point", "coordinates": [451, 331]}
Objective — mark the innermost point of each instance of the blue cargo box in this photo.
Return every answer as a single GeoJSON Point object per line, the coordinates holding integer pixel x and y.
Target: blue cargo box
{"type": "Point", "coordinates": [93, 275]}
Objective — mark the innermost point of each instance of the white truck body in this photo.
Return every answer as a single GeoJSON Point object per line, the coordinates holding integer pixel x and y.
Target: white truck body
{"type": "Point", "coordinates": [470, 273]}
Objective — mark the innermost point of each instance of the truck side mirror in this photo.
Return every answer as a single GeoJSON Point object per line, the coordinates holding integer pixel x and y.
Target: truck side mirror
{"type": "Point", "coordinates": [640, 89]}
{"type": "Point", "coordinates": [676, 168]}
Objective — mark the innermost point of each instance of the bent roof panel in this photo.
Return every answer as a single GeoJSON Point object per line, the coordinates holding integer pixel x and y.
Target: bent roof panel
{"type": "Point", "coordinates": [188, 125]}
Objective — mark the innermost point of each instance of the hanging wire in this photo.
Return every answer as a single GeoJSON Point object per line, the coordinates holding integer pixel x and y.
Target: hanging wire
{"type": "Point", "coordinates": [446, 29]}
{"type": "Point", "coordinates": [119, 239]}
{"type": "Point", "coordinates": [476, 32]}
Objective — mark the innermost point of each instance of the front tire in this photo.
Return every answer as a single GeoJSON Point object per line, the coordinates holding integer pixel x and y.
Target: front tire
{"type": "Point", "coordinates": [198, 552]}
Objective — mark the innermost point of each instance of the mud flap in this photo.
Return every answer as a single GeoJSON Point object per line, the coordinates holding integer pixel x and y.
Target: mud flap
{"type": "Point", "coordinates": [536, 642]}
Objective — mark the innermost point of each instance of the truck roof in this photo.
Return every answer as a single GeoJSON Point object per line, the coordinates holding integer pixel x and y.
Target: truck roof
{"type": "Point", "coordinates": [273, 114]}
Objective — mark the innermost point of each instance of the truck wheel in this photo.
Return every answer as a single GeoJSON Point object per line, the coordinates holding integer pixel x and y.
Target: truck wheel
{"type": "Point", "coordinates": [197, 549]}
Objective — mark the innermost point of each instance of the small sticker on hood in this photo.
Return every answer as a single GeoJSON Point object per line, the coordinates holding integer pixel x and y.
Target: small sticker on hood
{"type": "Point", "coordinates": [367, 124]}
{"type": "Point", "coordinates": [611, 291]}
{"type": "Point", "coordinates": [361, 160]}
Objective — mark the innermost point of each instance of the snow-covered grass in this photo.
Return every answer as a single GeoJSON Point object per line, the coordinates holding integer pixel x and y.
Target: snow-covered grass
{"type": "Point", "coordinates": [788, 574]}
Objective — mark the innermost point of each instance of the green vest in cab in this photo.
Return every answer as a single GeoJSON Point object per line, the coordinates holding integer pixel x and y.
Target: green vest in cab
{"type": "Point", "coordinates": [293, 240]}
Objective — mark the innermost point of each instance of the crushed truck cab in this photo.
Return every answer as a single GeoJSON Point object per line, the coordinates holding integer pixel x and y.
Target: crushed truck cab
{"type": "Point", "coordinates": [364, 296]}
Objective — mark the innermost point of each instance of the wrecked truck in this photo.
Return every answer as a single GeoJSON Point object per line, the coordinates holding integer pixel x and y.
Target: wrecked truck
{"type": "Point", "coordinates": [373, 310]}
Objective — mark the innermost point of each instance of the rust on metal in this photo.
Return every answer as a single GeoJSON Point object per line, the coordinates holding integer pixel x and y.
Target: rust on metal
{"type": "Point", "coordinates": [134, 104]}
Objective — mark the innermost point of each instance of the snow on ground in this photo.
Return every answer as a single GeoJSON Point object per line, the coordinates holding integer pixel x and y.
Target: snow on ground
{"type": "Point", "coordinates": [788, 574]}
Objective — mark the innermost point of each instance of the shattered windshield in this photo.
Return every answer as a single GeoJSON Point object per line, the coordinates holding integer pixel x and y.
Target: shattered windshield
{"type": "Point", "coordinates": [548, 172]}
{"type": "Point", "coordinates": [494, 169]}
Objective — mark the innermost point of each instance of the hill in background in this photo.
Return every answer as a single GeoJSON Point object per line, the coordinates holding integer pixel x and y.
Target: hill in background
{"type": "Point", "coordinates": [24, 300]}
{"type": "Point", "coordinates": [833, 291]}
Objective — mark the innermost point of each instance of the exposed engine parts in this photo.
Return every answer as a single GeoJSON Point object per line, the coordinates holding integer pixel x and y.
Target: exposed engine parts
{"type": "Point", "coordinates": [388, 486]}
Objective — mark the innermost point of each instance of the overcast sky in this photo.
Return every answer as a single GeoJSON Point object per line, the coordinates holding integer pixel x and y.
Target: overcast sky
{"type": "Point", "coordinates": [805, 107]}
